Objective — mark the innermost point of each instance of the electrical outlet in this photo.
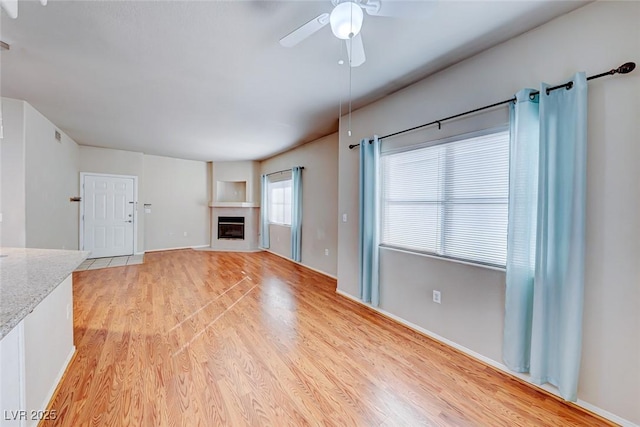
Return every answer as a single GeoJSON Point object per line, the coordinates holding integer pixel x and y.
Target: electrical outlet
{"type": "Point", "coordinates": [437, 297]}
{"type": "Point", "coordinates": [326, 252]}
{"type": "Point", "coordinates": [184, 234]}
{"type": "Point", "coordinates": [344, 217]}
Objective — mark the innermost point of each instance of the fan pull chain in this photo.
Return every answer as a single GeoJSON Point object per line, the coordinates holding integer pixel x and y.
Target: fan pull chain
{"type": "Point", "coordinates": [350, 67]}
{"type": "Point", "coordinates": [350, 80]}
{"type": "Point", "coordinates": [340, 99]}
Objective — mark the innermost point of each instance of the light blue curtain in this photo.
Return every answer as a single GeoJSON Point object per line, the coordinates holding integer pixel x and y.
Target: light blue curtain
{"type": "Point", "coordinates": [521, 234]}
{"type": "Point", "coordinates": [556, 337]}
{"type": "Point", "coordinates": [296, 213]}
{"type": "Point", "coordinates": [543, 316]}
{"type": "Point", "coordinates": [369, 207]}
{"type": "Point", "coordinates": [264, 213]}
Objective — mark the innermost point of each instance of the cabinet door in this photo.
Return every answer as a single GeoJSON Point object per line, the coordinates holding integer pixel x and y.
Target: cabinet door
{"type": "Point", "coordinates": [12, 402]}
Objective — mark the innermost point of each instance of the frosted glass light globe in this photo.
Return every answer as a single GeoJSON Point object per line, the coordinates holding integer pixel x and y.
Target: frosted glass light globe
{"type": "Point", "coordinates": [346, 20]}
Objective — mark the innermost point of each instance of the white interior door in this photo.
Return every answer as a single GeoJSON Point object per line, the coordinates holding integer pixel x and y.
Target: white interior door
{"type": "Point", "coordinates": [108, 215]}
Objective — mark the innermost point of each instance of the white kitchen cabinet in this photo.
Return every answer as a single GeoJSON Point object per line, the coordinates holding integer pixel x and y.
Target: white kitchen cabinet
{"type": "Point", "coordinates": [33, 358]}
{"type": "Point", "coordinates": [12, 377]}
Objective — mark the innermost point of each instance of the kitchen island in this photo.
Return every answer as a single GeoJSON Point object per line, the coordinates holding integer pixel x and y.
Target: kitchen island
{"type": "Point", "coordinates": [36, 330]}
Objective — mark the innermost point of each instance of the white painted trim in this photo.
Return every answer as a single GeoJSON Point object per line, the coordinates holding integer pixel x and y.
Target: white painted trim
{"type": "Point", "coordinates": [432, 256]}
{"type": "Point", "coordinates": [605, 414]}
{"type": "Point", "coordinates": [524, 377]}
{"type": "Point", "coordinates": [135, 207]}
{"type": "Point", "coordinates": [324, 273]}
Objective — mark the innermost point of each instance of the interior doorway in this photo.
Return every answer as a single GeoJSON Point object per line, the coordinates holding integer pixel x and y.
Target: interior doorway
{"type": "Point", "coordinates": [108, 214]}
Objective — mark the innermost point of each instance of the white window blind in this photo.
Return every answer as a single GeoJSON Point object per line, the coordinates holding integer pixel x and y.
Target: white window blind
{"type": "Point", "coordinates": [449, 199]}
{"type": "Point", "coordinates": [280, 202]}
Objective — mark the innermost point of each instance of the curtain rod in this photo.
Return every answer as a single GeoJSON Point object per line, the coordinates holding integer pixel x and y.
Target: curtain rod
{"type": "Point", "coordinates": [283, 171]}
{"type": "Point", "coordinates": [623, 69]}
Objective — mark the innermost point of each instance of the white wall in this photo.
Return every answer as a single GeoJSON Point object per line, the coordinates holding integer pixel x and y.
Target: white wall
{"type": "Point", "coordinates": [108, 161]}
{"type": "Point", "coordinates": [178, 191]}
{"type": "Point", "coordinates": [39, 175]}
{"type": "Point", "coordinates": [117, 162]}
{"type": "Point", "coordinates": [51, 179]}
{"type": "Point", "coordinates": [319, 203]}
{"type": "Point", "coordinates": [280, 240]}
{"type": "Point", "coordinates": [594, 38]}
{"type": "Point", "coordinates": [12, 175]}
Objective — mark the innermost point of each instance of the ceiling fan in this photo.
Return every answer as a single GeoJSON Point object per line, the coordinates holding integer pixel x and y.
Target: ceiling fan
{"type": "Point", "coordinates": [11, 7]}
{"type": "Point", "coordinates": [346, 20]}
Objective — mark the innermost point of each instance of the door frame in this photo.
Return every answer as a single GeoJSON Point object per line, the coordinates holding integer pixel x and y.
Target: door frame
{"type": "Point", "coordinates": [135, 206]}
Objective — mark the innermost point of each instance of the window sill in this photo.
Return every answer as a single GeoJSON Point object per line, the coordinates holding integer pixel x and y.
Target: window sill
{"type": "Point", "coordinates": [280, 225]}
{"type": "Point", "coordinates": [457, 261]}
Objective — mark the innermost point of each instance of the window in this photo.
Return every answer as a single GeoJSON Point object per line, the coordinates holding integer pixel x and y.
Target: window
{"type": "Point", "coordinates": [280, 202]}
{"type": "Point", "coordinates": [449, 199]}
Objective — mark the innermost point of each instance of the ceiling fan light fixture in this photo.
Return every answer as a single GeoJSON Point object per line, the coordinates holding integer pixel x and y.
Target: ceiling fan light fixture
{"type": "Point", "coordinates": [346, 20]}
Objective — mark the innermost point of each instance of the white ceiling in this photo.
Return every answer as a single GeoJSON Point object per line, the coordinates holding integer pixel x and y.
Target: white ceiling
{"type": "Point", "coordinates": [208, 80]}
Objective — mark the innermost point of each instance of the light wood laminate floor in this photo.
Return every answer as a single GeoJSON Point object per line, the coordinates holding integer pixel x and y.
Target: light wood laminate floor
{"type": "Point", "coordinates": [194, 338]}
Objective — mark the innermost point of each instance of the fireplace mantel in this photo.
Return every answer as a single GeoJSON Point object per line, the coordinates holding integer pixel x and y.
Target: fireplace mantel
{"type": "Point", "coordinates": [233, 205]}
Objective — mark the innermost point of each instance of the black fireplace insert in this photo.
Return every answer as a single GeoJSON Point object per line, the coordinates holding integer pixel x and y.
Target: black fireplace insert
{"type": "Point", "coordinates": [231, 227]}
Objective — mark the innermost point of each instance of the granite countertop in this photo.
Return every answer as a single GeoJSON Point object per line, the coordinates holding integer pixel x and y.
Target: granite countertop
{"type": "Point", "coordinates": [27, 276]}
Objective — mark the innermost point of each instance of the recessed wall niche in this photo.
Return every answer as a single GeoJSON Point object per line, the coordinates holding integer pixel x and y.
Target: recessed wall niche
{"type": "Point", "coordinates": [231, 191]}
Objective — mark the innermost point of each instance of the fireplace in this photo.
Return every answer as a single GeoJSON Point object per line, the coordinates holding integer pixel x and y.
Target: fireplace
{"type": "Point", "coordinates": [231, 227]}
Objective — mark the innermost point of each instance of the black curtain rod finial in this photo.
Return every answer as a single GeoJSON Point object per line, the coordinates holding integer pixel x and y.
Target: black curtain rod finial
{"type": "Point", "coordinates": [626, 68]}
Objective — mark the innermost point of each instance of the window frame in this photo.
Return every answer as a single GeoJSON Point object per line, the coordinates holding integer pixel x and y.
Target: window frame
{"type": "Point", "coordinates": [270, 186]}
{"type": "Point", "coordinates": [443, 218]}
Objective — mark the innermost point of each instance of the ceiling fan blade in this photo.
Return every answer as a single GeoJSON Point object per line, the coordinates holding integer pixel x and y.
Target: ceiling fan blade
{"type": "Point", "coordinates": [355, 50]}
{"type": "Point", "coordinates": [11, 7]}
{"type": "Point", "coordinates": [400, 8]}
{"type": "Point", "coordinates": [296, 36]}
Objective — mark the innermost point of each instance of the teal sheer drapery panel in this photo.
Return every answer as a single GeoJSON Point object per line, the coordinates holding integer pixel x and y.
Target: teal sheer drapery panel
{"type": "Point", "coordinates": [368, 221]}
{"type": "Point", "coordinates": [545, 251]}
{"type": "Point", "coordinates": [296, 213]}
{"type": "Point", "coordinates": [556, 337]}
{"type": "Point", "coordinates": [264, 213]}
{"type": "Point", "coordinates": [521, 234]}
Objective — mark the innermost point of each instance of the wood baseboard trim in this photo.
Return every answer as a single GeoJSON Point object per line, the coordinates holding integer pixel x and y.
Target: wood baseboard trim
{"type": "Point", "coordinates": [324, 273]}
{"type": "Point", "coordinates": [210, 249]}
{"type": "Point", "coordinates": [175, 249]}
{"type": "Point", "coordinates": [605, 416]}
